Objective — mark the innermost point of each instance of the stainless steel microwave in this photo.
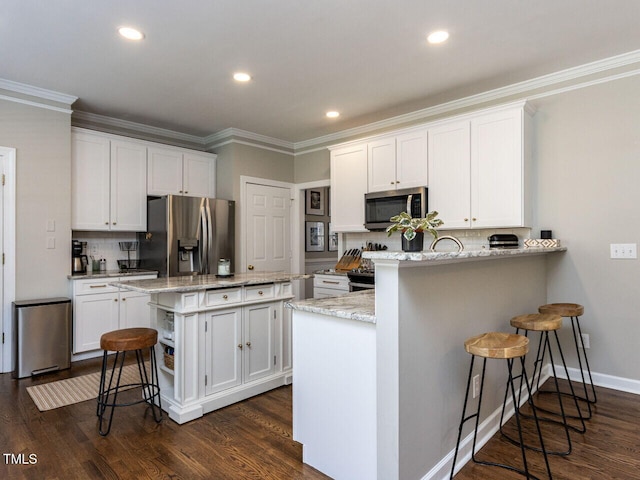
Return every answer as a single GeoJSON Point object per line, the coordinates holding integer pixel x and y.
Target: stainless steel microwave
{"type": "Point", "coordinates": [379, 207]}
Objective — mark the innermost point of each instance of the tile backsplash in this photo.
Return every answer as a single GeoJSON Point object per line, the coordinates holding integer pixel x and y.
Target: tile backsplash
{"type": "Point", "coordinates": [471, 239]}
{"type": "Point", "coordinates": [106, 245]}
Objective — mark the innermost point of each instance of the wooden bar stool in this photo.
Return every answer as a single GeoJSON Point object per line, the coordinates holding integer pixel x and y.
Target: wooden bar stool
{"type": "Point", "coordinates": [574, 311]}
{"type": "Point", "coordinates": [507, 346]}
{"type": "Point", "coordinates": [545, 323]}
{"type": "Point", "coordinates": [123, 341]}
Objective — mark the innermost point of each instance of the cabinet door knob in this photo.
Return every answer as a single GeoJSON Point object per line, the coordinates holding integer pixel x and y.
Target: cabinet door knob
{"type": "Point", "coordinates": [106, 223]}
{"type": "Point", "coordinates": [185, 192]}
{"type": "Point", "coordinates": [114, 223]}
{"type": "Point", "coordinates": [122, 299]}
{"type": "Point", "coordinates": [466, 219]}
{"type": "Point", "coordinates": [474, 219]}
{"type": "Point", "coordinates": [179, 191]}
{"type": "Point", "coordinates": [240, 346]}
{"type": "Point", "coordinates": [249, 344]}
{"type": "Point", "coordinates": [115, 299]}
{"type": "Point", "coordinates": [250, 267]}
{"type": "Point", "coordinates": [392, 183]}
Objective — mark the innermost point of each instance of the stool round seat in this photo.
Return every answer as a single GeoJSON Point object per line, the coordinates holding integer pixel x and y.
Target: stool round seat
{"type": "Point", "coordinates": [562, 309]}
{"type": "Point", "coordinates": [497, 345]}
{"type": "Point", "coordinates": [128, 339]}
{"type": "Point", "coordinates": [537, 322]}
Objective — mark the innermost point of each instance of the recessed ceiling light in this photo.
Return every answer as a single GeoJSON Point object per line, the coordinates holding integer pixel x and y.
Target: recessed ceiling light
{"type": "Point", "coordinates": [131, 33]}
{"type": "Point", "coordinates": [438, 37]}
{"type": "Point", "coordinates": [241, 77]}
{"type": "Point", "coordinates": [333, 114]}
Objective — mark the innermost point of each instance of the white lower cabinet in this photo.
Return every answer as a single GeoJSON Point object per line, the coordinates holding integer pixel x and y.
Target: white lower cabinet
{"type": "Point", "coordinates": [99, 308]}
{"type": "Point", "coordinates": [239, 346]}
{"type": "Point", "coordinates": [223, 349]}
{"type": "Point", "coordinates": [228, 345]}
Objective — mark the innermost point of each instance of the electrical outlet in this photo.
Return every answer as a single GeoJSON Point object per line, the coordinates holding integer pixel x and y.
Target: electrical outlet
{"type": "Point", "coordinates": [624, 250]}
{"type": "Point", "coordinates": [94, 249]}
{"type": "Point", "coordinates": [585, 340]}
{"type": "Point", "coordinates": [476, 386]}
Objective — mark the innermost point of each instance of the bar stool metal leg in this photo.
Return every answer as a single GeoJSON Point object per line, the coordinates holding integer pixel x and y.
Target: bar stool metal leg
{"type": "Point", "coordinates": [575, 323]}
{"type": "Point", "coordinates": [511, 384]}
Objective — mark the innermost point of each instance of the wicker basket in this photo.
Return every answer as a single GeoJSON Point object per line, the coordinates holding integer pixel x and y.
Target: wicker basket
{"type": "Point", "coordinates": [168, 361]}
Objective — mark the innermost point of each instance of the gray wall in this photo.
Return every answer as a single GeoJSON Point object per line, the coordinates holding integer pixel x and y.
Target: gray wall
{"type": "Point", "coordinates": [42, 139]}
{"type": "Point", "coordinates": [587, 155]}
{"type": "Point", "coordinates": [586, 176]}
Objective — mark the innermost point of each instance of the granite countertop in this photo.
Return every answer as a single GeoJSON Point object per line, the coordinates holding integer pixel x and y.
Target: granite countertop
{"type": "Point", "coordinates": [111, 274]}
{"type": "Point", "coordinates": [465, 255]}
{"type": "Point", "coordinates": [359, 306]}
{"type": "Point", "coordinates": [206, 282]}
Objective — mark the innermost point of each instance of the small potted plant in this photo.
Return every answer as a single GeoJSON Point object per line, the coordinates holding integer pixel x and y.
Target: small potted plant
{"type": "Point", "coordinates": [413, 229]}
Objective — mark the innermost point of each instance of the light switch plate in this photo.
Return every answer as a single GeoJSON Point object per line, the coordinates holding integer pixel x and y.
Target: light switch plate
{"type": "Point", "coordinates": [624, 250]}
{"type": "Point", "coordinates": [51, 243]}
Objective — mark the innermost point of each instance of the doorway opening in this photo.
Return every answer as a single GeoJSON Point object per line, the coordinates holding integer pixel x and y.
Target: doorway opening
{"type": "Point", "coordinates": [8, 253]}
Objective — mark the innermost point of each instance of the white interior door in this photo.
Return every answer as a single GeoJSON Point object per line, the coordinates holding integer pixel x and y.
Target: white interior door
{"type": "Point", "coordinates": [267, 228]}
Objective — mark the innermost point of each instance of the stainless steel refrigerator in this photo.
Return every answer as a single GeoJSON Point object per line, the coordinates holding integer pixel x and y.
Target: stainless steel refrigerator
{"type": "Point", "coordinates": [187, 235]}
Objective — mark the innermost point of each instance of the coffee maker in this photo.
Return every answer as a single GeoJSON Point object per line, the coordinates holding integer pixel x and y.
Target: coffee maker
{"type": "Point", "coordinates": [78, 257]}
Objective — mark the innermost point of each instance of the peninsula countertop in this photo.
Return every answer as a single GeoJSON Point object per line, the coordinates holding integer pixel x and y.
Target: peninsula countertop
{"type": "Point", "coordinates": [354, 306]}
{"type": "Point", "coordinates": [438, 258]}
{"type": "Point", "coordinates": [191, 283]}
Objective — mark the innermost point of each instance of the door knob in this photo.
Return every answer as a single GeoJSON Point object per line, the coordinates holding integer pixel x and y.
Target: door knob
{"type": "Point", "coordinates": [250, 267]}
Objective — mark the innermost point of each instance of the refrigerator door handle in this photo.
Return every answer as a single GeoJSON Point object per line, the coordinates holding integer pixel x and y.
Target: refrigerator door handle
{"type": "Point", "coordinates": [209, 245]}
{"type": "Point", "coordinates": [202, 247]}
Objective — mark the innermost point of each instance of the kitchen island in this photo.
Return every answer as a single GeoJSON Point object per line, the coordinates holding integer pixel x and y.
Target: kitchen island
{"type": "Point", "coordinates": [220, 339]}
{"type": "Point", "coordinates": [378, 394]}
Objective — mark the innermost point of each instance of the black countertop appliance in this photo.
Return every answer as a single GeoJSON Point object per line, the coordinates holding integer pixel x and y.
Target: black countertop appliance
{"type": "Point", "coordinates": [503, 240]}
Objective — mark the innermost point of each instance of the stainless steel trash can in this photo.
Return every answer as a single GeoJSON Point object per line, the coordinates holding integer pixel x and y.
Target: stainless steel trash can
{"type": "Point", "coordinates": [41, 336]}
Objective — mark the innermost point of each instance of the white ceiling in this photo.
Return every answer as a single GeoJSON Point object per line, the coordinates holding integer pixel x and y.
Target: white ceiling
{"type": "Point", "coordinates": [368, 59]}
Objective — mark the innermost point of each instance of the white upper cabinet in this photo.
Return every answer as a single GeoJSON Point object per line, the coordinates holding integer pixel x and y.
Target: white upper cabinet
{"type": "Point", "coordinates": [90, 177]}
{"type": "Point", "coordinates": [450, 173]}
{"type": "Point", "coordinates": [177, 172]}
{"type": "Point", "coordinates": [381, 158]}
{"type": "Point", "coordinates": [477, 170]}
{"type": "Point", "coordinates": [398, 162]}
{"type": "Point", "coordinates": [348, 186]}
{"type": "Point", "coordinates": [497, 170]}
{"type": "Point", "coordinates": [128, 186]}
{"type": "Point", "coordinates": [108, 182]}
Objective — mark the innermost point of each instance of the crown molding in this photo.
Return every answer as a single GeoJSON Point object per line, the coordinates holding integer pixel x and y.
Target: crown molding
{"type": "Point", "coordinates": [235, 135]}
{"type": "Point", "coordinates": [228, 133]}
{"type": "Point", "coordinates": [37, 92]}
{"type": "Point", "coordinates": [88, 120]}
{"type": "Point", "coordinates": [520, 88]}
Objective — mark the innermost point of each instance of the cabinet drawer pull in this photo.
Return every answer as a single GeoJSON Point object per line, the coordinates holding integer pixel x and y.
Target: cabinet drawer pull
{"type": "Point", "coordinates": [260, 292]}
{"type": "Point", "coordinates": [225, 297]}
{"type": "Point", "coordinates": [98, 286]}
{"type": "Point", "coordinates": [331, 282]}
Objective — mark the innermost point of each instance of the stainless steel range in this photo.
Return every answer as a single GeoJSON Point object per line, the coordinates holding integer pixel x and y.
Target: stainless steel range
{"type": "Point", "coordinates": [361, 279]}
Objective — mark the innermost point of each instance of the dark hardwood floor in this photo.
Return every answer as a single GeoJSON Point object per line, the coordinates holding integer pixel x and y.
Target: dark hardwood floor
{"type": "Point", "coordinates": [249, 440]}
{"type": "Point", "coordinates": [253, 440]}
{"type": "Point", "coordinates": [609, 449]}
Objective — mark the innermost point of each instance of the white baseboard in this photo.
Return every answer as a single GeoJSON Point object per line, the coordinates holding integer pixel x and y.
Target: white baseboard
{"type": "Point", "coordinates": [488, 428]}
{"type": "Point", "coordinates": [602, 380]}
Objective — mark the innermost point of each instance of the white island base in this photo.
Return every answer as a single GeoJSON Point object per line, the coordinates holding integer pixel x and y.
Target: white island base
{"type": "Point", "coordinates": [383, 400]}
{"type": "Point", "coordinates": [335, 394]}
